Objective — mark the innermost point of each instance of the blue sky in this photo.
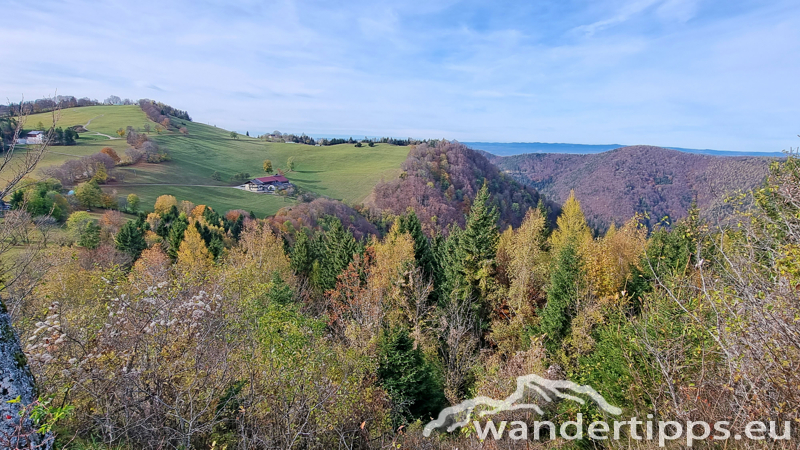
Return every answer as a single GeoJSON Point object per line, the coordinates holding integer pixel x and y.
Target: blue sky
{"type": "Point", "coordinates": [684, 73]}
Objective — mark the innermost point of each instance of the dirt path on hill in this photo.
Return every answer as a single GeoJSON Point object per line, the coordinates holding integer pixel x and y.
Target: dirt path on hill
{"type": "Point", "coordinates": [86, 127]}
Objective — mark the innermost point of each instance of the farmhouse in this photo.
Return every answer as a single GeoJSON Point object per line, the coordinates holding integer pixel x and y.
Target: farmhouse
{"type": "Point", "coordinates": [268, 184]}
{"type": "Point", "coordinates": [34, 137]}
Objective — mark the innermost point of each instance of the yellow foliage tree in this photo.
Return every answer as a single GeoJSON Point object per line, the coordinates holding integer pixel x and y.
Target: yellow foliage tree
{"type": "Point", "coordinates": [394, 258]}
{"type": "Point", "coordinates": [253, 263]}
{"type": "Point", "coordinates": [197, 211]}
{"type": "Point", "coordinates": [193, 254]}
{"type": "Point", "coordinates": [164, 203]}
{"type": "Point", "coordinates": [526, 273]}
{"type": "Point", "coordinates": [571, 225]}
{"type": "Point", "coordinates": [100, 174]}
{"type": "Point", "coordinates": [609, 260]}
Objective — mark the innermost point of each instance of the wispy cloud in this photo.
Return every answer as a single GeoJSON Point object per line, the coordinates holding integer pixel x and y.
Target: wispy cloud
{"type": "Point", "coordinates": [686, 73]}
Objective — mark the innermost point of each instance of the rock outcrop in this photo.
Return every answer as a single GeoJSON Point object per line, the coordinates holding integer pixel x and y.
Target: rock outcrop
{"type": "Point", "coordinates": [16, 381]}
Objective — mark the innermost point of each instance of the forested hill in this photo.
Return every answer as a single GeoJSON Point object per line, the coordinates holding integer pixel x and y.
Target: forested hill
{"type": "Point", "coordinates": [614, 185]}
{"type": "Point", "coordinates": [440, 181]}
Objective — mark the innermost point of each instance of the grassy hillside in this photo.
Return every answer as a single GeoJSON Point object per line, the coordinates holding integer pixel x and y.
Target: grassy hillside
{"type": "Point", "coordinates": [614, 185]}
{"type": "Point", "coordinates": [341, 172]}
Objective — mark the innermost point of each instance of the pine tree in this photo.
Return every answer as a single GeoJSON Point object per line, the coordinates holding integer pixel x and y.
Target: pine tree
{"type": "Point", "coordinates": [301, 254]}
{"type": "Point", "coordinates": [407, 377]}
{"type": "Point", "coordinates": [409, 223]}
{"type": "Point", "coordinates": [176, 233]}
{"type": "Point", "coordinates": [557, 314]}
{"type": "Point", "coordinates": [90, 235]}
{"type": "Point", "coordinates": [130, 238]}
{"type": "Point", "coordinates": [335, 249]}
{"type": "Point", "coordinates": [544, 211]}
{"type": "Point", "coordinates": [478, 248]}
{"type": "Point", "coordinates": [449, 278]}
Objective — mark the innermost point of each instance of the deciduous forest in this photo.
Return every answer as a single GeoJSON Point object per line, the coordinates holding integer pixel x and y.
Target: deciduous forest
{"type": "Point", "coordinates": [328, 327]}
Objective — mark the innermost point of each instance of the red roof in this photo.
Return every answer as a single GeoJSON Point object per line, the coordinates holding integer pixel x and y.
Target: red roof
{"type": "Point", "coordinates": [273, 179]}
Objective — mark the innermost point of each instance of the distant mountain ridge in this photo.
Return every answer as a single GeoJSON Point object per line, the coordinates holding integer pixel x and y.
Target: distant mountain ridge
{"type": "Point", "coordinates": [519, 148]}
{"type": "Point", "coordinates": [616, 184]}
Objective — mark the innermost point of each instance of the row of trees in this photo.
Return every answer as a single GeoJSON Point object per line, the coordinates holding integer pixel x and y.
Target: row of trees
{"type": "Point", "coordinates": [160, 113]}
{"type": "Point", "coordinates": [59, 102]}
{"type": "Point", "coordinates": [277, 136]}
{"type": "Point", "coordinates": [48, 104]}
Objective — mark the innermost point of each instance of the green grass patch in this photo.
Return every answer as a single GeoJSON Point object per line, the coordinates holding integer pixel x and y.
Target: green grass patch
{"type": "Point", "coordinates": [342, 172]}
{"type": "Point", "coordinates": [221, 199]}
{"type": "Point", "coordinates": [105, 119]}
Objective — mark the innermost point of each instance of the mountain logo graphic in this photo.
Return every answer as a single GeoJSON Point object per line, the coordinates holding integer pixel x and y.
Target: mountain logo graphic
{"type": "Point", "coordinates": [547, 389]}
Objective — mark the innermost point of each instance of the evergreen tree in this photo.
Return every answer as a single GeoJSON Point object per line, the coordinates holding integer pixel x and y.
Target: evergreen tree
{"type": "Point", "coordinates": [17, 199]}
{"type": "Point", "coordinates": [449, 279]}
{"type": "Point", "coordinates": [90, 235]}
{"type": "Point", "coordinates": [477, 249]}
{"type": "Point", "coordinates": [557, 314]}
{"type": "Point", "coordinates": [409, 223]}
{"type": "Point", "coordinates": [544, 210]}
{"type": "Point", "coordinates": [408, 378]}
{"type": "Point", "coordinates": [176, 234]}
{"type": "Point", "coordinates": [301, 254]}
{"type": "Point", "coordinates": [130, 238]}
{"type": "Point", "coordinates": [335, 249]}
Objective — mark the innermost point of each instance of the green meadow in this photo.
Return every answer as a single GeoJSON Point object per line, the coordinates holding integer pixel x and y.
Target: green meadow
{"type": "Point", "coordinates": [342, 172]}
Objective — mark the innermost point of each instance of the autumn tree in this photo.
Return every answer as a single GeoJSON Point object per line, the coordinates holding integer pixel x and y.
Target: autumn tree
{"type": "Point", "coordinates": [193, 255]}
{"type": "Point", "coordinates": [133, 202]}
{"type": "Point", "coordinates": [111, 153]}
{"type": "Point", "coordinates": [100, 174]}
{"type": "Point", "coordinates": [290, 164]}
{"type": "Point", "coordinates": [164, 203]}
{"type": "Point", "coordinates": [523, 265]}
{"type": "Point", "coordinates": [267, 166]}
{"type": "Point", "coordinates": [571, 225]}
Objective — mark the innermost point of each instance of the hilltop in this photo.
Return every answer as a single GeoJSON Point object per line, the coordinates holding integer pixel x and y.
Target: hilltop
{"type": "Point", "coordinates": [520, 148]}
{"type": "Point", "coordinates": [616, 184]}
{"type": "Point", "coordinates": [342, 172]}
{"type": "Point", "coordinates": [440, 182]}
